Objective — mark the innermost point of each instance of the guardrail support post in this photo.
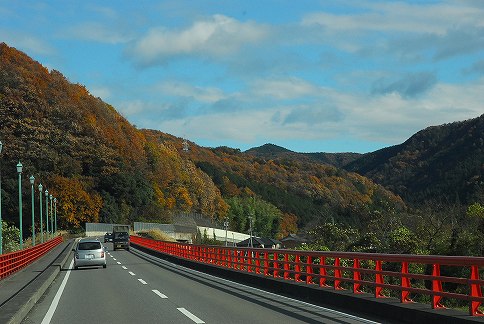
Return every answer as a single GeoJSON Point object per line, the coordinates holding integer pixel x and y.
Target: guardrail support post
{"type": "Point", "coordinates": [337, 274]}
{"type": "Point", "coordinates": [436, 287]}
{"type": "Point", "coordinates": [286, 267]}
{"type": "Point", "coordinates": [475, 290]}
{"type": "Point", "coordinates": [356, 277]}
{"type": "Point", "coordinates": [378, 280]}
{"type": "Point", "coordinates": [309, 270]}
{"type": "Point", "coordinates": [276, 265]}
{"type": "Point", "coordinates": [405, 283]}
{"type": "Point", "coordinates": [322, 272]}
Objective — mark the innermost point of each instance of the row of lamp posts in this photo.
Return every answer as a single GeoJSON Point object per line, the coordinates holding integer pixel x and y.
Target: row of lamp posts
{"type": "Point", "coordinates": [53, 209]}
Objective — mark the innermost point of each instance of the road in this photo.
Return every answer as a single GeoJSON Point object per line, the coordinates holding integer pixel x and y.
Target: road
{"type": "Point", "coordinates": [138, 288]}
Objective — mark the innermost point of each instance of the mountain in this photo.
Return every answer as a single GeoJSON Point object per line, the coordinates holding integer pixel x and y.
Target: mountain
{"type": "Point", "coordinates": [102, 168]}
{"type": "Point", "coordinates": [86, 154]}
{"type": "Point", "coordinates": [274, 152]}
{"type": "Point", "coordinates": [443, 164]}
{"type": "Point", "coordinates": [310, 190]}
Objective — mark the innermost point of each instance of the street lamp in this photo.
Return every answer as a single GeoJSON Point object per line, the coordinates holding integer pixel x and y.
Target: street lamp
{"type": "Point", "coordinates": [47, 212]}
{"type": "Point", "coordinates": [32, 181]}
{"type": "Point", "coordinates": [1, 234]}
{"type": "Point", "coordinates": [55, 213]}
{"type": "Point", "coordinates": [51, 216]}
{"type": "Point", "coordinates": [226, 224]}
{"type": "Point", "coordinates": [40, 205]}
{"type": "Point", "coordinates": [19, 170]}
{"type": "Point", "coordinates": [250, 231]}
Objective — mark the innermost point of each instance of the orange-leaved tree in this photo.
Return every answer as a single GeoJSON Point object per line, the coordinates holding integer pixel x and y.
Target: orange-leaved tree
{"type": "Point", "coordinates": [76, 205]}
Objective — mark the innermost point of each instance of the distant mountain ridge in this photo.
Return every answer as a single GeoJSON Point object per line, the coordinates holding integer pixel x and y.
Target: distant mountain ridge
{"type": "Point", "coordinates": [440, 163]}
{"type": "Point", "coordinates": [272, 151]}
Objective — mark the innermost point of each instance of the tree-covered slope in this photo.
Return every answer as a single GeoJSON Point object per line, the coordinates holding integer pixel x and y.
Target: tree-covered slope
{"type": "Point", "coordinates": [93, 160]}
{"type": "Point", "coordinates": [442, 164]}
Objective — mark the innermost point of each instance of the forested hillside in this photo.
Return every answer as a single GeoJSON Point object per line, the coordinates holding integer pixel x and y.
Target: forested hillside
{"type": "Point", "coordinates": [440, 164]}
{"type": "Point", "coordinates": [273, 152]}
{"type": "Point", "coordinates": [92, 159]}
{"type": "Point", "coordinates": [305, 191]}
{"type": "Point", "coordinates": [101, 168]}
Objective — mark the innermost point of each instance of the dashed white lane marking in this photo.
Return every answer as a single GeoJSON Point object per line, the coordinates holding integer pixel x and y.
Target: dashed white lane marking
{"type": "Point", "coordinates": [142, 281]}
{"type": "Point", "coordinates": [55, 302]}
{"type": "Point", "coordinates": [124, 268]}
{"type": "Point", "coordinates": [190, 316]}
{"type": "Point", "coordinates": [118, 262]}
{"type": "Point", "coordinates": [114, 259]}
{"type": "Point", "coordinates": [159, 294]}
{"type": "Point", "coordinates": [132, 273]}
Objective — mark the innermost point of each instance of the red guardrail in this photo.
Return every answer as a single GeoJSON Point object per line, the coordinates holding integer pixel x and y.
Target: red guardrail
{"type": "Point", "coordinates": [14, 261]}
{"type": "Point", "coordinates": [380, 274]}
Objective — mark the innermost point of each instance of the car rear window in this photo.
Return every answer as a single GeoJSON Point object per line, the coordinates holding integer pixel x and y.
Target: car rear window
{"type": "Point", "coordinates": [89, 246]}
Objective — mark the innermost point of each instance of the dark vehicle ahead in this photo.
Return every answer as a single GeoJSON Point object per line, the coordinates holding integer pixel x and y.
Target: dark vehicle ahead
{"type": "Point", "coordinates": [108, 237]}
{"type": "Point", "coordinates": [121, 237]}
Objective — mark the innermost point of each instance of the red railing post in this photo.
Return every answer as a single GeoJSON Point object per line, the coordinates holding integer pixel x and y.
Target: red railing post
{"type": "Point", "coordinates": [275, 264]}
{"type": "Point", "coordinates": [337, 274]}
{"type": "Point", "coordinates": [266, 263]}
{"type": "Point", "coordinates": [257, 262]}
{"type": "Point", "coordinates": [475, 291]}
{"type": "Point", "coordinates": [378, 279]}
{"type": "Point", "coordinates": [322, 272]}
{"type": "Point", "coordinates": [405, 283]}
{"type": "Point", "coordinates": [309, 270]}
{"type": "Point", "coordinates": [297, 268]}
{"type": "Point", "coordinates": [436, 287]}
{"type": "Point", "coordinates": [286, 267]}
{"type": "Point", "coordinates": [356, 276]}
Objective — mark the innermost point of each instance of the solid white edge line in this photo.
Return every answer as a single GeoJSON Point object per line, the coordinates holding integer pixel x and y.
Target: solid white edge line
{"type": "Point", "coordinates": [159, 293]}
{"type": "Point", "coordinates": [142, 281]}
{"type": "Point", "coordinates": [190, 315]}
{"type": "Point", "coordinates": [132, 273]}
{"type": "Point", "coordinates": [267, 292]}
{"type": "Point", "coordinates": [55, 302]}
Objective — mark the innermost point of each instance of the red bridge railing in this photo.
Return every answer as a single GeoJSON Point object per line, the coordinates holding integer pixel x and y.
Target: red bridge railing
{"type": "Point", "coordinates": [440, 278]}
{"type": "Point", "coordinates": [14, 261]}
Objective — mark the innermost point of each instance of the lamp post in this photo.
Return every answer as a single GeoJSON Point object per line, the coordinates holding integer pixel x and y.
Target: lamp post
{"type": "Point", "coordinates": [32, 181]}
{"type": "Point", "coordinates": [47, 212]}
{"type": "Point", "coordinates": [226, 224]}
{"type": "Point", "coordinates": [1, 234]}
{"type": "Point", "coordinates": [51, 216]}
{"type": "Point", "coordinates": [19, 170]}
{"type": "Point", "coordinates": [40, 205]}
{"type": "Point", "coordinates": [55, 214]}
{"type": "Point", "coordinates": [250, 231]}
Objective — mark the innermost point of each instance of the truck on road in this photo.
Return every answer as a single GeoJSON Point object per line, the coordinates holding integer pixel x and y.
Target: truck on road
{"type": "Point", "coordinates": [121, 237]}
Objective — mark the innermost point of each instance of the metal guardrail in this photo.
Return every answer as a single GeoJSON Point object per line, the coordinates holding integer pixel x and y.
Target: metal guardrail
{"type": "Point", "coordinates": [380, 274]}
{"type": "Point", "coordinates": [14, 261]}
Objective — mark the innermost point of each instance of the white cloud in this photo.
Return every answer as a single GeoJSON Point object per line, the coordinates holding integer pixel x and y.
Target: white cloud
{"type": "Point", "coordinates": [388, 118]}
{"type": "Point", "coordinates": [98, 32]}
{"type": "Point", "coordinates": [400, 17]}
{"type": "Point", "coordinates": [101, 92]}
{"type": "Point", "coordinates": [26, 43]}
{"type": "Point", "coordinates": [284, 88]}
{"type": "Point", "coordinates": [202, 94]}
{"type": "Point", "coordinates": [217, 36]}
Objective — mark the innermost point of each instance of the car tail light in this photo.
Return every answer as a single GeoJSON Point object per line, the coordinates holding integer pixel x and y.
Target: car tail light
{"type": "Point", "coordinates": [102, 254]}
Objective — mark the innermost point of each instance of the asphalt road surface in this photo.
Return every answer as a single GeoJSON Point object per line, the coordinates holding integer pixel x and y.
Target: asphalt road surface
{"type": "Point", "coordinates": [138, 288]}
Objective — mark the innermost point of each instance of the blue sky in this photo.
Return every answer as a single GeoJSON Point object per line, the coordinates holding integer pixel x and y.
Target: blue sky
{"type": "Point", "coordinates": [309, 75]}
